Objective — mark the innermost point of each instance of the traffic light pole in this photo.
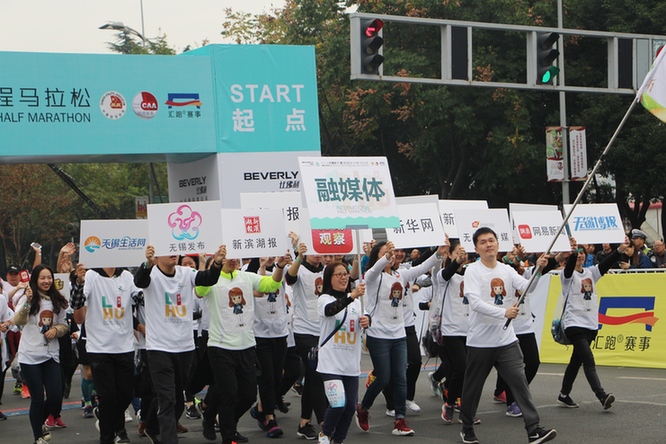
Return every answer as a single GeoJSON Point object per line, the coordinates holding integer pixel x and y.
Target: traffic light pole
{"type": "Point", "coordinates": [563, 111]}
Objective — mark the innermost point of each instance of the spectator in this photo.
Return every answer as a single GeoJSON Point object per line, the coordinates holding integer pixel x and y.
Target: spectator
{"type": "Point", "coordinates": [633, 258]}
{"type": "Point", "coordinates": [590, 258]}
{"type": "Point", "coordinates": [42, 315]}
{"type": "Point", "coordinates": [606, 250]}
{"type": "Point", "coordinates": [657, 257]}
{"type": "Point", "coordinates": [639, 237]}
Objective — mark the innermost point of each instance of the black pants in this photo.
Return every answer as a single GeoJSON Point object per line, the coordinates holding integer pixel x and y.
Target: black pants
{"type": "Point", "coordinates": [169, 373]}
{"type": "Point", "coordinates": [293, 371]}
{"type": "Point", "coordinates": [582, 338]}
{"type": "Point", "coordinates": [271, 353]}
{"type": "Point", "coordinates": [235, 388]}
{"type": "Point", "coordinates": [200, 367]}
{"type": "Point", "coordinates": [39, 378]}
{"type": "Point", "coordinates": [456, 354]}
{"type": "Point", "coordinates": [314, 396]}
{"type": "Point", "coordinates": [114, 383]}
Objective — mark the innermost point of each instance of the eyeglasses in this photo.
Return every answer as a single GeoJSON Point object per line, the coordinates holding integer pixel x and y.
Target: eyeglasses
{"type": "Point", "coordinates": [341, 275]}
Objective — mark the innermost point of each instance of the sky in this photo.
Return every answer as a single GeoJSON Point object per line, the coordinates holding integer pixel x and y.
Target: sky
{"type": "Point", "coordinates": [72, 25]}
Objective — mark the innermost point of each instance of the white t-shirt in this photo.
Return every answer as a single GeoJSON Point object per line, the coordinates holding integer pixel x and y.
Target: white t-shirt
{"type": "Point", "coordinates": [490, 291]}
{"type": "Point", "coordinates": [455, 311]}
{"type": "Point", "coordinates": [33, 348]}
{"type": "Point", "coordinates": [524, 322]}
{"type": "Point", "coordinates": [231, 304]}
{"type": "Point", "coordinates": [582, 306]}
{"type": "Point", "coordinates": [306, 292]}
{"type": "Point", "coordinates": [5, 315]}
{"type": "Point", "coordinates": [341, 355]}
{"type": "Point", "coordinates": [169, 303]}
{"type": "Point", "coordinates": [109, 326]}
{"type": "Point", "coordinates": [270, 314]}
{"type": "Point", "coordinates": [384, 294]}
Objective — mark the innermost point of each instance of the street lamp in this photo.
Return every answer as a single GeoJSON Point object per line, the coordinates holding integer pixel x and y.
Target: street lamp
{"type": "Point", "coordinates": [120, 26]}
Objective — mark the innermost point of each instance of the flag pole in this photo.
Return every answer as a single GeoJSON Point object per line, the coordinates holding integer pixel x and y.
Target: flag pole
{"type": "Point", "coordinates": [590, 176]}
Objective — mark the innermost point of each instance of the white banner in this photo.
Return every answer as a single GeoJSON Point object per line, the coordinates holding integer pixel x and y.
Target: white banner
{"type": "Point", "coordinates": [537, 229]}
{"type": "Point", "coordinates": [578, 150]}
{"type": "Point", "coordinates": [420, 225]}
{"type": "Point", "coordinates": [596, 224]}
{"type": "Point", "coordinates": [253, 232]}
{"type": "Point", "coordinates": [289, 202]}
{"type": "Point", "coordinates": [185, 228]}
{"type": "Point", "coordinates": [349, 192]}
{"type": "Point", "coordinates": [194, 181]}
{"type": "Point", "coordinates": [447, 209]}
{"type": "Point", "coordinates": [513, 207]}
{"type": "Point", "coordinates": [469, 221]}
{"type": "Point", "coordinates": [113, 243]}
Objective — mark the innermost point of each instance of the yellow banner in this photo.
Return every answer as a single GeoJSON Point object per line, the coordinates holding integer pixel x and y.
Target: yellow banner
{"type": "Point", "coordinates": [632, 312]}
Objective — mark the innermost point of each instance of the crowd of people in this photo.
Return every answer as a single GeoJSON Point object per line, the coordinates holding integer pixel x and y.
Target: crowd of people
{"type": "Point", "coordinates": [152, 340]}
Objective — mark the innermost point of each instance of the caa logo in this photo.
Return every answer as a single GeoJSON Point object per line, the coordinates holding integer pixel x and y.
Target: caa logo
{"type": "Point", "coordinates": [145, 105]}
{"type": "Point", "coordinates": [644, 306]}
{"type": "Point", "coordinates": [524, 231]}
{"type": "Point", "coordinates": [92, 243]}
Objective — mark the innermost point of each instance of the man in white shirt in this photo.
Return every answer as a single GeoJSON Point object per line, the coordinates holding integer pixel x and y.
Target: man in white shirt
{"type": "Point", "coordinates": [168, 292]}
{"type": "Point", "coordinates": [490, 288]}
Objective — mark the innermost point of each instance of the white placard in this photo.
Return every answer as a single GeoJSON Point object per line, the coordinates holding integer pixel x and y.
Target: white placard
{"type": "Point", "coordinates": [420, 225]}
{"type": "Point", "coordinates": [514, 207]}
{"type": "Point", "coordinates": [497, 219]}
{"type": "Point", "coordinates": [289, 202]}
{"type": "Point", "coordinates": [447, 210]}
{"type": "Point", "coordinates": [349, 192]}
{"type": "Point", "coordinates": [578, 150]}
{"type": "Point", "coordinates": [537, 229]}
{"type": "Point", "coordinates": [113, 243]}
{"type": "Point", "coordinates": [596, 224]}
{"type": "Point", "coordinates": [185, 228]}
{"type": "Point", "coordinates": [253, 232]}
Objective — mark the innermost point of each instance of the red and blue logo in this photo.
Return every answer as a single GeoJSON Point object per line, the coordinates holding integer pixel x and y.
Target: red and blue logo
{"type": "Point", "coordinates": [183, 99]}
{"type": "Point", "coordinates": [644, 306]}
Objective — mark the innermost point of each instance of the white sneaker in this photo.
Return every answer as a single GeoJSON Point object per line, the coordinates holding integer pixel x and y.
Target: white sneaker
{"type": "Point", "coordinates": [128, 416]}
{"type": "Point", "coordinates": [323, 439]}
{"type": "Point", "coordinates": [412, 407]}
{"type": "Point", "coordinates": [390, 413]}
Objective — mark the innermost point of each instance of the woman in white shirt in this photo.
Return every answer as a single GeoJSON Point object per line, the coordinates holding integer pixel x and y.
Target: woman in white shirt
{"type": "Point", "coordinates": [41, 312]}
{"type": "Point", "coordinates": [340, 357]}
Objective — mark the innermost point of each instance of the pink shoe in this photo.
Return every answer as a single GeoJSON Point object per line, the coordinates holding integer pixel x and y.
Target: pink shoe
{"type": "Point", "coordinates": [50, 422]}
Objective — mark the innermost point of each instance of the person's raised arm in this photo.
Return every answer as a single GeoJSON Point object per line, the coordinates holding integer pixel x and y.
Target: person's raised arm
{"type": "Point", "coordinates": [142, 275]}
{"type": "Point", "coordinates": [208, 278]}
{"type": "Point", "coordinates": [292, 273]}
{"type": "Point", "coordinates": [610, 260]}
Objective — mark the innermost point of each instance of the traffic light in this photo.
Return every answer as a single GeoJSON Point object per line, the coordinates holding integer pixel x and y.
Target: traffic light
{"type": "Point", "coordinates": [546, 57]}
{"type": "Point", "coordinates": [371, 42]}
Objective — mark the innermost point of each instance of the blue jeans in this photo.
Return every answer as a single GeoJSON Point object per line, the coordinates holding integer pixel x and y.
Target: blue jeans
{"type": "Point", "coordinates": [389, 361]}
{"type": "Point", "coordinates": [40, 377]}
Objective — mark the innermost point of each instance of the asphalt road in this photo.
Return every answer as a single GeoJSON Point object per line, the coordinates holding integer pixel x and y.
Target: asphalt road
{"type": "Point", "coordinates": [636, 416]}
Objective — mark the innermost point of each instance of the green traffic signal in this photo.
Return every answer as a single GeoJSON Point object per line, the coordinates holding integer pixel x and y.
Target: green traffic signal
{"type": "Point", "coordinates": [550, 74]}
{"type": "Point", "coordinates": [546, 56]}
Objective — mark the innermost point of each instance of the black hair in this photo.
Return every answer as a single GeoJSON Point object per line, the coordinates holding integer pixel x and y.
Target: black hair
{"type": "Point", "coordinates": [374, 255]}
{"type": "Point", "coordinates": [453, 243]}
{"type": "Point", "coordinates": [480, 231]}
{"type": "Point", "coordinates": [194, 258]}
{"type": "Point", "coordinates": [58, 300]}
{"type": "Point", "coordinates": [327, 286]}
